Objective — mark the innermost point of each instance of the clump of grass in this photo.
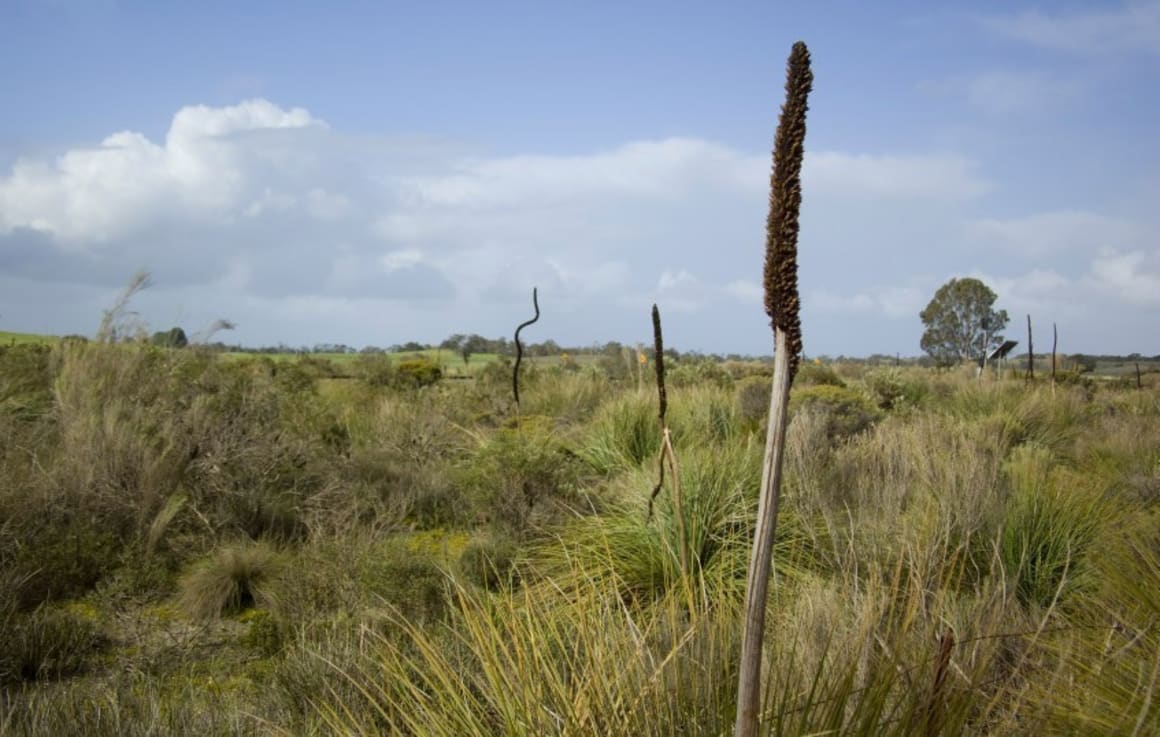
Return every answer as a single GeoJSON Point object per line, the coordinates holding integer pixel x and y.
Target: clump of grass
{"type": "Point", "coordinates": [1053, 519]}
{"type": "Point", "coordinates": [237, 577]}
{"type": "Point", "coordinates": [624, 434]}
{"type": "Point", "coordinates": [50, 643]}
{"type": "Point", "coordinates": [490, 561]}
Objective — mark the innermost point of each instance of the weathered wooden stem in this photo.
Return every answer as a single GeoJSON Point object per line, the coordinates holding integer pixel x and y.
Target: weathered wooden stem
{"type": "Point", "coordinates": [1030, 352]}
{"type": "Point", "coordinates": [757, 583]}
{"type": "Point", "coordinates": [1054, 345]}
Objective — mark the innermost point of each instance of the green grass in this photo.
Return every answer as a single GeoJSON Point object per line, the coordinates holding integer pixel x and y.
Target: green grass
{"type": "Point", "coordinates": [8, 338]}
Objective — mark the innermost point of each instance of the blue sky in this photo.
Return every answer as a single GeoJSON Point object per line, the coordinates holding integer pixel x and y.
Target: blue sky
{"type": "Point", "coordinates": [372, 173]}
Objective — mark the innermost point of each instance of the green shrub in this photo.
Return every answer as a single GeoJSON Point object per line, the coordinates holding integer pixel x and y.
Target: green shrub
{"type": "Point", "coordinates": [518, 474]}
{"type": "Point", "coordinates": [408, 577]}
{"type": "Point", "coordinates": [846, 412]}
{"type": "Point", "coordinates": [817, 374]}
{"type": "Point", "coordinates": [376, 369]}
{"type": "Point", "coordinates": [263, 635]}
{"type": "Point", "coordinates": [692, 371]}
{"type": "Point", "coordinates": [418, 372]}
{"type": "Point", "coordinates": [295, 378]}
{"type": "Point", "coordinates": [891, 389]}
{"type": "Point", "coordinates": [65, 553]}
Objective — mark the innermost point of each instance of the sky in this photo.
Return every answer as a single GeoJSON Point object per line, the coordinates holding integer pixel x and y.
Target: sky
{"type": "Point", "coordinates": [372, 173]}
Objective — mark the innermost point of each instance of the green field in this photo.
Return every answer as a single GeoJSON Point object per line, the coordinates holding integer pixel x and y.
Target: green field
{"type": "Point", "coordinates": [7, 338]}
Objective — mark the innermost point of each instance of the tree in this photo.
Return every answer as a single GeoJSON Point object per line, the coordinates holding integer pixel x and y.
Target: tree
{"type": "Point", "coordinates": [961, 322]}
{"type": "Point", "coordinates": [172, 338]}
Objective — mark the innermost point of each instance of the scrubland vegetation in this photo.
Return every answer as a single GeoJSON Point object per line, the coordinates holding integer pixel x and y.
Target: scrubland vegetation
{"type": "Point", "coordinates": [193, 544]}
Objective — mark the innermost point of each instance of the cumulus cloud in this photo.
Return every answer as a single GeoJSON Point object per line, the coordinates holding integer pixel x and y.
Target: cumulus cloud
{"type": "Point", "coordinates": [1134, 26]}
{"type": "Point", "coordinates": [201, 170]}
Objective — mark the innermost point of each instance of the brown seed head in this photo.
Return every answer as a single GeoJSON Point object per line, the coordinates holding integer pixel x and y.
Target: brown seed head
{"type": "Point", "coordinates": [659, 350]}
{"type": "Point", "coordinates": [782, 303]}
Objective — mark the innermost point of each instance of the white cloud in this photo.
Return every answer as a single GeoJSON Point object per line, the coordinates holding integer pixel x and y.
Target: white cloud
{"type": "Point", "coordinates": [1134, 26]}
{"type": "Point", "coordinates": [650, 169]}
{"type": "Point", "coordinates": [745, 291]}
{"type": "Point", "coordinates": [202, 171]}
{"type": "Point", "coordinates": [890, 302]}
{"type": "Point", "coordinates": [1132, 277]}
{"type": "Point", "coordinates": [263, 213]}
{"type": "Point", "coordinates": [894, 177]}
{"type": "Point", "coordinates": [1002, 93]}
{"type": "Point", "coordinates": [1056, 233]}
{"type": "Point", "coordinates": [398, 260]}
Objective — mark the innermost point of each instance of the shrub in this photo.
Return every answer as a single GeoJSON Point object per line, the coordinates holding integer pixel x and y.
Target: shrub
{"type": "Point", "coordinates": [408, 575]}
{"type": "Point", "coordinates": [236, 578]}
{"type": "Point", "coordinates": [519, 473]}
{"type": "Point", "coordinates": [376, 369]}
{"type": "Point", "coordinates": [65, 553]}
{"type": "Point", "coordinates": [847, 412]}
{"type": "Point", "coordinates": [817, 374]}
{"type": "Point", "coordinates": [691, 371]}
{"type": "Point", "coordinates": [264, 635]}
{"type": "Point", "coordinates": [418, 372]}
{"type": "Point", "coordinates": [891, 389]}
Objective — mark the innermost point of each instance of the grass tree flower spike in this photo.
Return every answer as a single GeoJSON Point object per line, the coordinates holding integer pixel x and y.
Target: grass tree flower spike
{"type": "Point", "coordinates": [783, 307]}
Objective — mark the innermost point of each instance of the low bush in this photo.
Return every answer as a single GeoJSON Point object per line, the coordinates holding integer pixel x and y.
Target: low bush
{"type": "Point", "coordinates": [418, 372]}
{"type": "Point", "coordinates": [891, 389]}
{"type": "Point", "coordinates": [817, 374]}
{"type": "Point", "coordinates": [846, 411]}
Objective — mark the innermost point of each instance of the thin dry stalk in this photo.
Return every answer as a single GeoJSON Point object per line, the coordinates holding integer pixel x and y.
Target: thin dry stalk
{"type": "Point", "coordinates": [112, 321]}
{"type": "Point", "coordinates": [668, 456]}
{"type": "Point", "coordinates": [1054, 345]}
{"type": "Point", "coordinates": [782, 305]}
{"type": "Point", "coordinates": [1030, 352]}
{"type": "Point", "coordinates": [936, 707]}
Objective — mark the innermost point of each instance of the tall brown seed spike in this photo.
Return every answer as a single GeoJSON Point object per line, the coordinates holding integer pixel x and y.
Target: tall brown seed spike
{"type": "Point", "coordinates": [659, 362]}
{"type": "Point", "coordinates": [782, 303]}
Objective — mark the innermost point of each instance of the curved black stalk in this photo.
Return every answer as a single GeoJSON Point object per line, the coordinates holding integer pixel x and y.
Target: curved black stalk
{"type": "Point", "coordinates": [520, 348]}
